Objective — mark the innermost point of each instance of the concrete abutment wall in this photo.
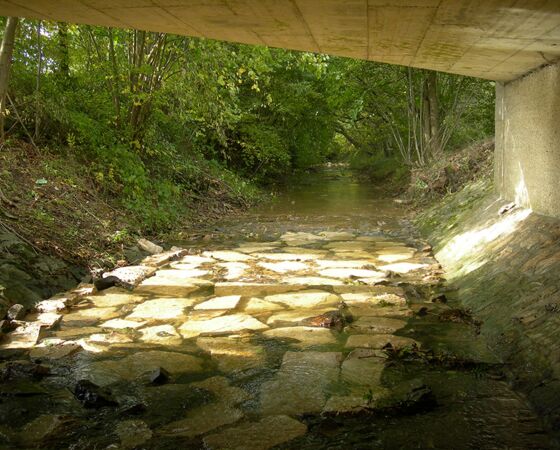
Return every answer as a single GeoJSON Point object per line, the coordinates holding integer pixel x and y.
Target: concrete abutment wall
{"type": "Point", "coordinates": [527, 159]}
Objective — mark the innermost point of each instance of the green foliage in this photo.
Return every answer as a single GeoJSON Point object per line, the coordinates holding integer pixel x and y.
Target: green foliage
{"type": "Point", "coordinates": [159, 121]}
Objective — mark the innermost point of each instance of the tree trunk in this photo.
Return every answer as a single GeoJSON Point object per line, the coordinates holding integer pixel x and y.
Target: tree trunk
{"type": "Point", "coordinates": [38, 83]}
{"type": "Point", "coordinates": [63, 52]}
{"type": "Point", "coordinates": [431, 116]}
{"type": "Point", "coordinates": [6, 52]}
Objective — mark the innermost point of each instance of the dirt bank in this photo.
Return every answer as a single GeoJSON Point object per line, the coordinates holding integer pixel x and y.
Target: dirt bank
{"type": "Point", "coordinates": [58, 224]}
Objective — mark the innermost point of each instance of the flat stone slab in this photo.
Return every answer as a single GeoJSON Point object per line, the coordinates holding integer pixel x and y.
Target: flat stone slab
{"type": "Point", "coordinates": [233, 354]}
{"type": "Point", "coordinates": [337, 235]}
{"type": "Point", "coordinates": [133, 366]}
{"type": "Point", "coordinates": [377, 310]}
{"type": "Point", "coordinates": [301, 383]}
{"type": "Point", "coordinates": [221, 325]}
{"type": "Point", "coordinates": [25, 336]}
{"type": "Point", "coordinates": [253, 289]}
{"type": "Point", "coordinates": [54, 352]}
{"type": "Point", "coordinates": [305, 336]}
{"type": "Point", "coordinates": [227, 302]}
{"type": "Point", "coordinates": [297, 316]}
{"type": "Point", "coordinates": [201, 420]}
{"type": "Point", "coordinates": [196, 259]}
{"type": "Point", "coordinates": [403, 267]}
{"type": "Point", "coordinates": [122, 324]}
{"type": "Point", "coordinates": [208, 417]}
{"type": "Point", "coordinates": [305, 299]}
{"type": "Point", "coordinates": [284, 266]}
{"type": "Point", "coordinates": [257, 305]}
{"type": "Point", "coordinates": [288, 256]}
{"type": "Point", "coordinates": [131, 276]}
{"type": "Point", "coordinates": [378, 341]}
{"type": "Point", "coordinates": [133, 433]}
{"type": "Point", "coordinates": [267, 433]}
{"type": "Point", "coordinates": [376, 325]}
{"type": "Point", "coordinates": [363, 367]}
{"type": "Point", "coordinates": [351, 273]}
{"type": "Point", "coordinates": [229, 256]}
{"type": "Point", "coordinates": [234, 270]}
{"type": "Point", "coordinates": [170, 286]}
{"type": "Point", "coordinates": [90, 315]}
{"type": "Point", "coordinates": [349, 245]}
{"type": "Point", "coordinates": [341, 263]}
{"type": "Point", "coordinates": [313, 282]}
{"type": "Point", "coordinates": [162, 309]}
{"type": "Point", "coordinates": [114, 296]}
{"type": "Point", "coordinates": [161, 335]}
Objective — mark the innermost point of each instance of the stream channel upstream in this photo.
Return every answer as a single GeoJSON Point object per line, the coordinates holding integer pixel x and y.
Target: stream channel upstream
{"type": "Point", "coordinates": [316, 321]}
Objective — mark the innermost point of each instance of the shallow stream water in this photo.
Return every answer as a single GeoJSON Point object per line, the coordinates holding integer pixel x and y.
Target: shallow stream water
{"type": "Point", "coordinates": [315, 321]}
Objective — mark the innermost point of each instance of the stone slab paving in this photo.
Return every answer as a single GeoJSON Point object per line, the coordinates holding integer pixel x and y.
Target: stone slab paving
{"type": "Point", "coordinates": [183, 322]}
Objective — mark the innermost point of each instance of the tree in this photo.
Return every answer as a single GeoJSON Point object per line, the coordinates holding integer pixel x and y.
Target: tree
{"type": "Point", "coordinates": [6, 52]}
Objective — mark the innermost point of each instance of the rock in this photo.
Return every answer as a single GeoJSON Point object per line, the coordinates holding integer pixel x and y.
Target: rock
{"type": "Point", "coordinates": [376, 325]}
{"type": "Point", "coordinates": [267, 433]}
{"type": "Point", "coordinates": [201, 420]}
{"type": "Point", "coordinates": [163, 258]}
{"type": "Point", "coordinates": [439, 298]}
{"type": "Point", "coordinates": [122, 324]}
{"type": "Point", "coordinates": [155, 376]}
{"type": "Point", "coordinates": [253, 288]}
{"type": "Point", "coordinates": [408, 397]}
{"type": "Point", "coordinates": [336, 319]}
{"type": "Point", "coordinates": [343, 264]}
{"type": "Point", "coordinates": [284, 266]}
{"type": "Point", "coordinates": [211, 416]}
{"type": "Point", "coordinates": [16, 312]}
{"type": "Point", "coordinates": [378, 341]}
{"type": "Point", "coordinates": [305, 336]}
{"type": "Point", "coordinates": [45, 428]}
{"type": "Point", "coordinates": [402, 267]}
{"type": "Point", "coordinates": [25, 335]}
{"type": "Point", "coordinates": [53, 305]}
{"type": "Point", "coordinates": [337, 235]}
{"type": "Point", "coordinates": [54, 352]}
{"type": "Point", "coordinates": [351, 273]}
{"type": "Point", "coordinates": [129, 277]}
{"type": "Point", "coordinates": [93, 396]}
{"type": "Point", "coordinates": [17, 370]}
{"type": "Point", "coordinates": [235, 270]}
{"type": "Point", "coordinates": [300, 385]}
{"type": "Point", "coordinates": [196, 259]}
{"type": "Point", "coordinates": [114, 296]}
{"type": "Point", "coordinates": [170, 283]}
{"type": "Point", "coordinates": [305, 299]}
{"type": "Point", "coordinates": [297, 316]}
{"type": "Point", "coordinates": [233, 354]}
{"type": "Point", "coordinates": [133, 433]}
{"type": "Point", "coordinates": [312, 282]}
{"type": "Point", "coordinates": [49, 320]}
{"type": "Point", "coordinates": [7, 325]}
{"type": "Point", "coordinates": [133, 366]}
{"type": "Point", "coordinates": [227, 302]}
{"type": "Point", "coordinates": [221, 325]}
{"type": "Point", "coordinates": [106, 282]}
{"type": "Point", "coordinates": [287, 256]}
{"type": "Point", "coordinates": [149, 247]}
{"type": "Point", "coordinates": [257, 305]}
{"type": "Point", "coordinates": [363, 367]}
{"type": "Point", "coordinates": [162, 335]}
{"type": "Point", "coordinates": [162, 309]}
{"type": "Point", "coordinates": [229, 256]}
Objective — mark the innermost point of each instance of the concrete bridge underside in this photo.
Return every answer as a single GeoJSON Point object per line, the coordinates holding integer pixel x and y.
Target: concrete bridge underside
{"type": "Point", "coordinates": [514, 42]}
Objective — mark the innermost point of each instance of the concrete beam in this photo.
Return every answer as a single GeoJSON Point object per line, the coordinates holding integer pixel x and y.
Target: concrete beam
{"type": "Point", "coordinates": [527, 159]}
{"type": "Point", "coordinates": [493, 39]}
